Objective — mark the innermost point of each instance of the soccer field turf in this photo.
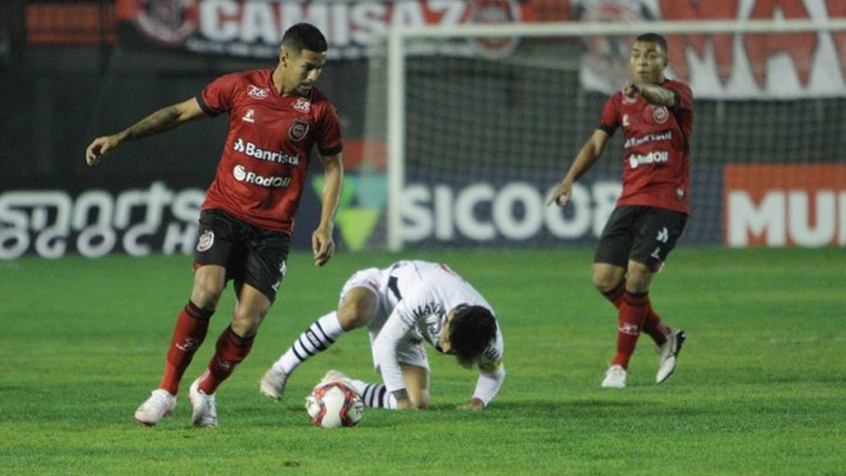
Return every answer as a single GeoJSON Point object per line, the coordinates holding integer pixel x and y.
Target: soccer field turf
{"type": "Point", "coordinates": [760, 387]}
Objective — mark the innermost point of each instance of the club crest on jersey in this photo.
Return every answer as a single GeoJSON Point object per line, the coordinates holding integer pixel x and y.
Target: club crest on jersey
{"type": "Point", "coordinates": [250, 116]}
{"type": "Point", "coordinates": [435, 327]}
{"type": "Point", "coordinates": [298, 130]}
{"type": "Point", "coordinates": [303, 105]}
{"type": "Point", "coordinates": [660, 114]}
{"type": "Point", "coordinates": [256, 92]}
{"type": "Point", "coordinates": [206, 241]}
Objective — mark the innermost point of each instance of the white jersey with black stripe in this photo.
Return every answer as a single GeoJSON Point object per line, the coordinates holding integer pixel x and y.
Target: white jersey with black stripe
{"type": "Point", "coordinates": [417, 296]}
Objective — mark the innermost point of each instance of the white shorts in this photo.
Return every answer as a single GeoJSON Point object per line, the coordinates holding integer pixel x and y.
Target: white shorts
{"type": "Point", "coordinates": [410, 351]}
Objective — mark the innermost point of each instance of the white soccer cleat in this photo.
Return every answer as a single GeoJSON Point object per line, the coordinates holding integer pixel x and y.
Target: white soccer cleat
{"type": "Point", "coordinates": [615, 377]}
{"type": "Point", "coordinates": [668, 355]}
{"type": "Point", "coordinates": [272, 385]}
{"type": "Point", "coordinates": [205, 408]}
{"type": "Point", "coordinates": [335, 375]}
{"type": "Point", "coordinates": [159, 405]}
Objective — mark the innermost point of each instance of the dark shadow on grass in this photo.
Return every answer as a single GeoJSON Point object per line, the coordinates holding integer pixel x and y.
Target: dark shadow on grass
{"type": "Point", "coordinates": [287, 413]}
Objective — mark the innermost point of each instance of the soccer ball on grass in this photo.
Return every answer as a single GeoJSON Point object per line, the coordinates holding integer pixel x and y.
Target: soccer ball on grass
{"type": "Point", "coordinates": [334, 404]}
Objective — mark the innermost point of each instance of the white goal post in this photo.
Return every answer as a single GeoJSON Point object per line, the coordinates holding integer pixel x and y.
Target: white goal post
{"type": "Point", "coordinates": [399, 38]}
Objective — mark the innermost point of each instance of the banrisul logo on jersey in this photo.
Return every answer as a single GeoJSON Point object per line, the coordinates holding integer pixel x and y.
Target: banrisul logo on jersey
{"type": "Point", "coordinates": [251, 150]}
{"type": "Point", "coordinates": [248, 28]}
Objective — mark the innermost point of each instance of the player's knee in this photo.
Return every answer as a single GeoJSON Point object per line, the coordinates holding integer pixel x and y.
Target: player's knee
{"type": "Point", "coordinates": [605, 282]}
{"type": "Point", "coordinates": [249, 313]}
{"type": "Point", "coordinates": [246, 321]}
{"type": "Point", "coordinates": [639, 277]}
{"type": "Point", "coordinates": [206, 295]}
{"type": "Point", "coordinates": [353, 318]}
{"type": "Point", "coordinates": [636, 285]}
{"type": "Point", "coordinates": [356, 310]}
{"type": "Point", "coordinates": [607, 277]}
{"type": "Point", "coordinates": [352, 321]}
{"type": "Point", "coordinates": [209, 283]}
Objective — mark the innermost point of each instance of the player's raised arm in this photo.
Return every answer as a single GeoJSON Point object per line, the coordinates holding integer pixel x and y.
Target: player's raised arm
{"type": "Point", "coordinates": [653, 93]}
{"type": "Point", "coordinates": [322, 243]}
{"type": "Point", "coordinates": [162, 120]}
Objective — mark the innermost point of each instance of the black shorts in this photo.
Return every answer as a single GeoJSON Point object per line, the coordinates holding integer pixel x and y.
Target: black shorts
{"type": "Point", "coordinates": [641, 234]}
{"type": "Point", "coordinates": [251, 255]}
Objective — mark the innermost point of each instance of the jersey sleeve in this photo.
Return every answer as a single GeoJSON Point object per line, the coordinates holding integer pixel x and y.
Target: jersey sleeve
{"type": "Point", "coordinates": [329, 141]}
{"type": "Point", "coordinates": [491, 371]}
{"type": "Point", "coordinates": [683, 109]}
{"type": "Point", "coordinates": [684, 96]}
{"type": "Point", "coordinates": [396, 327]}
{"type": "Point", "coordinates": [609, 121]}
{"type": "Point", "coordinates": [217, 97]}
{"type": "Point", "coordinates": [489, 383]}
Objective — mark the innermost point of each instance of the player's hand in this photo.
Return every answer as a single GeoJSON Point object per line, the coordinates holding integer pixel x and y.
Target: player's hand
{"type": "Point", "coordinates": [405, 405]}
{"type": "Point", "coordinates": [322, 245]}
{"type": "Point", "coordinates": [99, 147]}
{"type": "Point", "coordinates": [474, 404]}
{"type": "Point", "coordinates": [402, 399]}
{"type": "Point", "coordinates": [561, 195]}
{"type": "Point", "coordinates": [630, 90]}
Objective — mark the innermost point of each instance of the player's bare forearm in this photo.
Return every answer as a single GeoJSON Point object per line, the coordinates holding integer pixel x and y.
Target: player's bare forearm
{"type": "Point", "coordinates": [162, 120]}
{"type": "Point", "coordinates": [333, 174]}
{"type": "Point", "coordinates": [159, 121]}
{"type": "Point", "coordinates": [654, 94]}
{"type": "Point", "coordinates": [323, 244]}
{"type": "Point", "coordinates": [585, 159]}
{"type": "Point", "coordinates": [588, 155]}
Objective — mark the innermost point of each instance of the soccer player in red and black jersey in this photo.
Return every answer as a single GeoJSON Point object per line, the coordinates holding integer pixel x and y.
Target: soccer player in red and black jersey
{"type": "Point", "coordinates": [656, 116]}
{"type": "Point", "coordinates": [276, 118]}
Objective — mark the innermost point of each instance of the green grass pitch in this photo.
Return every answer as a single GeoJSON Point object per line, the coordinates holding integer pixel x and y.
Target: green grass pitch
{"type": "Point", "coordinates": [760, 387]}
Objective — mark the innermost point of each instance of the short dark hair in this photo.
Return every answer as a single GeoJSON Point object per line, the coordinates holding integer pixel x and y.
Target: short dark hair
{"type": "Point", "coordinates": [304, 36]}
{"type": "Point", "coordinates": [471, 330]}
{"type": "Point", "coordinates": [654, 38]}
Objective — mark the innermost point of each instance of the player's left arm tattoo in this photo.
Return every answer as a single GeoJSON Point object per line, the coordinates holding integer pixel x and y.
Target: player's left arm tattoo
{"type": "Point", "coordinates": [657, 95]}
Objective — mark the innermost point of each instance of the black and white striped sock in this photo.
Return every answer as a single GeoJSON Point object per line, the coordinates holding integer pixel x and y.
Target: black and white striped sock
{"type": "Point", "coordinates": [317, 338]}
{"type": "Point", "coordinates": [376, 395]}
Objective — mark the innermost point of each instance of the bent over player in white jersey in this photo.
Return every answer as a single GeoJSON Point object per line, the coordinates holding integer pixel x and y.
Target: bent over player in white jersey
{"type": "Point", "coordinates": [403, 305]}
